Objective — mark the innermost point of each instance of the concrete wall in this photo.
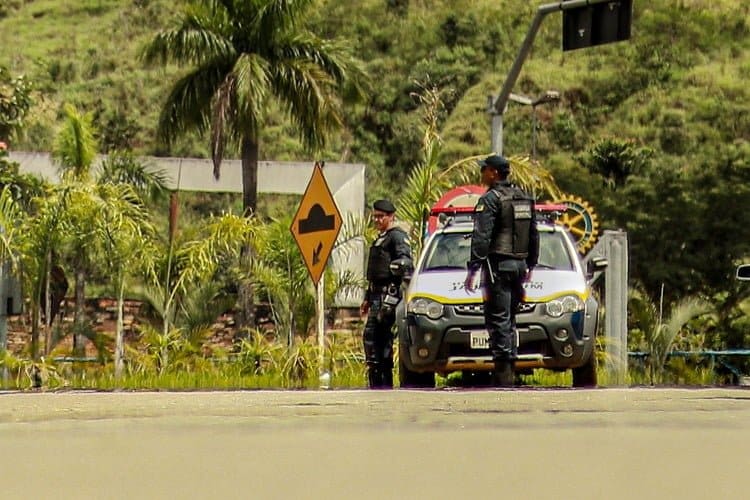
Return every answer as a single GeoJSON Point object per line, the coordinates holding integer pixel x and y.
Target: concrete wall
{"type": "Point", "coordinates": [345, 180]}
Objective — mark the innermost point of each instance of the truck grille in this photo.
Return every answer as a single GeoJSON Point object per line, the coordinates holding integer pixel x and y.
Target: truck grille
{"type": "Point", "coordinates": [470, 309]}
{"type": "Point", "coordinates": [478, 309]}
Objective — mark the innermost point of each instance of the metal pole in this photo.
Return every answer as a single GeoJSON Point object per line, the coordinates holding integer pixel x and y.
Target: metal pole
{"type": "Point", "coordinates": [498, 107]}
{"type": "Point", "coordinates": [497, 133]}
{"type": "Point", "coordinates": [613, 245]}
{"type": "Point", "coordinates": [324, 376]}
{"type": "Point", "coordinates": [533, 133]}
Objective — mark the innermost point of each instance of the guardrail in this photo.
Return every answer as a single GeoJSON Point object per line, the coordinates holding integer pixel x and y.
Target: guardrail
{"type": "Point", "coordinates": [715, 356]}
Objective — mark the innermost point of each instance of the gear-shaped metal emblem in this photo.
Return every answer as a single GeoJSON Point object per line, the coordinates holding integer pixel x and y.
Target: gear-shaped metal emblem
{"type": "Point", "coordinates": [580, 220]}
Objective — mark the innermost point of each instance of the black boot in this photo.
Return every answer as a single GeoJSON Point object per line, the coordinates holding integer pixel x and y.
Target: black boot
{"type": "Point", "coordinates": [503, 374]}
{"type": "Point", "coordinates": [387, 378]}
{"type": "Point", "coordinates": [374, 377]}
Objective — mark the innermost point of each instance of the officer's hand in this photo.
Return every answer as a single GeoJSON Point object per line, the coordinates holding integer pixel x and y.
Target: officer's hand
{"type": "Point", "coordinates": [470, 282]}
{"type": "Point", "coordinates": [364, 308]}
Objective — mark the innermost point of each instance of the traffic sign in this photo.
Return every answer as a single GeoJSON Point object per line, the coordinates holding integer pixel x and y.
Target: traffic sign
{"type": "Point", "coordinates": [317, 224]}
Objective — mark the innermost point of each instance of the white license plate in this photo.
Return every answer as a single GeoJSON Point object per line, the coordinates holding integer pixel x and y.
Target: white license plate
{"type": "Point", "coordinates": [479, 340]}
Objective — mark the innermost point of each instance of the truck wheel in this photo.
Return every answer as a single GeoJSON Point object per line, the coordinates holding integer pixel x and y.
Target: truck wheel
{"type": "Point", "coordinates": [414, 380]}
{"type": "Point", "coordinates": [585, 376]}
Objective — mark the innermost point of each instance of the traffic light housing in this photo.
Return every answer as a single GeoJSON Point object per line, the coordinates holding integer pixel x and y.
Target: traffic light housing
{"type": "Point", "coordinates": [597, 24]}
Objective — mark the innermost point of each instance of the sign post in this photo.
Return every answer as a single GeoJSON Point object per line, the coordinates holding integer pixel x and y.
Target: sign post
{"type": "Point", "coordinates": [315, 228]}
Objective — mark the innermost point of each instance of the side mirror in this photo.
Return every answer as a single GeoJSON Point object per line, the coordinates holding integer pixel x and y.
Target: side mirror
{"type": "Point", "coordinates": [596, 264]}
{"type": "Point", "coordinates": [743, 272]}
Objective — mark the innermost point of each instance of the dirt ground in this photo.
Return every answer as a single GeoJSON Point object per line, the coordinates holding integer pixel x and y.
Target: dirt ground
{"type": "Point", "coordinates": [605, 443]}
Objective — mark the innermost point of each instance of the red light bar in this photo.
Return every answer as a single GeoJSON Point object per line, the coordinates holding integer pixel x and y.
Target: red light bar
{"type": "Point", "coordinates": [452, 210]}
{"type": "Point", "coordinates": [541, 207]}
{"type": "Point", "coordinates": [550, 207]}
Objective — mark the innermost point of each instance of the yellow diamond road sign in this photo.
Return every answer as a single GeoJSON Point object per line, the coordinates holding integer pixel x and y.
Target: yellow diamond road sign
{"type": "Point", "coordinates": [317, 224]}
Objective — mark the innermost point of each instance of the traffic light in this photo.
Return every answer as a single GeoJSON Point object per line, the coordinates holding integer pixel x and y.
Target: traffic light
{"type": "Point", "coordinates": [597, 24]}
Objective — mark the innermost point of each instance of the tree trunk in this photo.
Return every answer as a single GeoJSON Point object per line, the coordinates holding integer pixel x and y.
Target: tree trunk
{"type": "Point", "coordinates": [119, 337]}
{"type": "Point", "coordinates": [245, 292]}
{"type": "Point", "coordinates": [48, 305]}
{"type": "Point", "coordinates": [79, 340]}
{"type": "Point", "coordinates": [250, 151]}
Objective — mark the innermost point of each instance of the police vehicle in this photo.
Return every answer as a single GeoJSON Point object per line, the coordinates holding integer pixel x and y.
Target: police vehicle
{"type": "Point", "coordinates": [440, 323]}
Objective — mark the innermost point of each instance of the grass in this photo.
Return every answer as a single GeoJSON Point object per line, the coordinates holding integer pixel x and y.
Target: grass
{"type": "Point", "coordinates": [228, 376]}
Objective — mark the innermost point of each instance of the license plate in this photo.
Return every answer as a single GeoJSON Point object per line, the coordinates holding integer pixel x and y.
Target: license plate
{"type": "Point", "coordinates": [479, 340]}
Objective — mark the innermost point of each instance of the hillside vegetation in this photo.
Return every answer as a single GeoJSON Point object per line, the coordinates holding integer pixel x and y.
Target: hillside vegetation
{"type": "Point", "coordinates": [653, 132]}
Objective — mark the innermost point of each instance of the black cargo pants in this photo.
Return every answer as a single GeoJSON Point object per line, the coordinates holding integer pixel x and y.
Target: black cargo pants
{"type": "Point", "coordinates": [378, 343]}
{"type": "Point", "coordinates": [503, 291]}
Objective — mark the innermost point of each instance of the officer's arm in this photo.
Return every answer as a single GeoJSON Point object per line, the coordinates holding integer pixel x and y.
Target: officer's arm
{"type": "Point", "coordinates": [401, 248]}
{"type": "Point", "coordinates": [533, 256]}
{"type": "Point", "coordinates": [484, 220]}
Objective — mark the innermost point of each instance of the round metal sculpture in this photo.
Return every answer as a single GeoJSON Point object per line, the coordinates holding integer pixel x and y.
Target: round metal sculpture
{"type": "Point", "coordinates": [579, 218]}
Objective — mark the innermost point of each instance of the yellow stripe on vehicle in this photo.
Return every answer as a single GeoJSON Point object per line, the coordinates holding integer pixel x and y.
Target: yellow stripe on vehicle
{"type": "Point", "coordinates": [473, 300]}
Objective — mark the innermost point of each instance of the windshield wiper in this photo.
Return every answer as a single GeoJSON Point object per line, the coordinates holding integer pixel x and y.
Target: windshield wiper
{"type": "Point", "coordinates": [444, 268]}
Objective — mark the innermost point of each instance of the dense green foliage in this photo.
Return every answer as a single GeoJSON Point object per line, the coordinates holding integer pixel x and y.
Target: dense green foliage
{"type": "Point", "coordinates": [653, 132]}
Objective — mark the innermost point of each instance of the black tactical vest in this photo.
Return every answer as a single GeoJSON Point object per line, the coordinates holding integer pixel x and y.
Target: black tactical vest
{"type": "Point", "coordinates": [379, 261]}
{"type": "Point", "coordinates": [513, 223]}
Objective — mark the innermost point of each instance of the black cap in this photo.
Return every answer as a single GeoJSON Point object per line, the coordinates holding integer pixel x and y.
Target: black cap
{"type": "Point", "coordinates": [384, 206]}
{"type": "Point", "coordinates": [497, 162]}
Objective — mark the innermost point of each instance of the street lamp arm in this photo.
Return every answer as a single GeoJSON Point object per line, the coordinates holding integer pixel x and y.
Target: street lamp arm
{"type": "Point", "coordinates": [497, 108]}
{"type": "Point", "coordinates": [515, 70]}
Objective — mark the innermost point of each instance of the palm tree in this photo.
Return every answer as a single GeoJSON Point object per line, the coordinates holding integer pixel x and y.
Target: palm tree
{"type": "Point", "coordinates": [74, 151]}
{"type": "Point", "coordinates": [44, 233]}
{"type": "Point", "coordinates": [244, 54]}
{"type": "Point", "coordinates": [190, 265]}
{"type": "Point", "coordinates": [126, 237]}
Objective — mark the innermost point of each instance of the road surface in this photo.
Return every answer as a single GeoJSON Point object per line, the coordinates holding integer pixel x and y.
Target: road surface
{"type": "Point", "coordinates": [557, 444]}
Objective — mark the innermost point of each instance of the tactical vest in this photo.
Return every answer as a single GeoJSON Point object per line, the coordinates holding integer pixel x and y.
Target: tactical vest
{"type": "Point", "coordinates": [513, 223]}
{"type": "Point", "coordinates": [379, 260]}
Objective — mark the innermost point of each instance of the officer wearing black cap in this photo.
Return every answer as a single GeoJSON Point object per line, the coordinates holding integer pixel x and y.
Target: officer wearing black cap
{"type": "Point", "coordinates": [504, 246]}
{"type": "Point", "coordinates": [383, 290]}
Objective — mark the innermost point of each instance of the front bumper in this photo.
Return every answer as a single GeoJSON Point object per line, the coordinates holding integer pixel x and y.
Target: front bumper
{"type": "Point", "coordinates": [443, 345]}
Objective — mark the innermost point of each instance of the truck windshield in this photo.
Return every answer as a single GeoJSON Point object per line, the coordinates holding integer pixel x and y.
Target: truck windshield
{"type": "Point", "coordinates": [451, 251]}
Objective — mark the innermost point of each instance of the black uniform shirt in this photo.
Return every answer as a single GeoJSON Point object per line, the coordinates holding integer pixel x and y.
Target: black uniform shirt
{"type": "Point", "coordinates": [485, 216]}
{"type": "Point", "coordinates": [390, 245]}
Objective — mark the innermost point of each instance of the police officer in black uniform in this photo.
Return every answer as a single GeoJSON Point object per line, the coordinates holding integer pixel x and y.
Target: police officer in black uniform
{"type": "Point", "coordinates": [382, 293]}
{"type": "Point", "coordinates": [504, 246]}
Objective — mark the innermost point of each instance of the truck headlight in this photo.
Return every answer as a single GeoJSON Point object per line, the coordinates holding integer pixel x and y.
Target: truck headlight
{"type": "Point", "coordinates": [566, 304]}
{"type": "Point", "coordinates": [425, 307]}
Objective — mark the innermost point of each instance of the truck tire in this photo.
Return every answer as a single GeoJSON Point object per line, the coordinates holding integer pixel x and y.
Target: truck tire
{"type": "Point", "coordinates": [414, 380]}
{"type": "Point", "coordinates": [585, 376]}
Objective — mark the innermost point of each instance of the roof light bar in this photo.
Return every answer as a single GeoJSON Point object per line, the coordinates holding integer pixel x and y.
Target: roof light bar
{"type": "Point", "coordinates": [541, 207]}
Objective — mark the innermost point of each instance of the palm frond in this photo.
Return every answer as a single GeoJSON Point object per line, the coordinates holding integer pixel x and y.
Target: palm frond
{"type": "Point", "coordinates": [356, 230]}
{"type": "Point", "coordinates": [10, 224]}
{"type": "Point", "coordinates": [223, 235]}
{"type": "Point", "coordinates": [188, 105]}
{"type": "Point", "coordinates": [196, 41]}
{"type": "Point", "coordinates": [124, 168]}
{"type": "Point", "coordinates": [307, 92]}
{"type": "Point", "coordinates": [75, 146]}
{"type": "Point", "coordinates": [279, 15]}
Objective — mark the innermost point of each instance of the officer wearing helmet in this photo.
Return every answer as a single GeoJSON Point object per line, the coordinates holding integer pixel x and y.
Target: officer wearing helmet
{"type": "Point", "coordinates": [504, 247]}
{"type": "Point", "coordinates": [383, 293]}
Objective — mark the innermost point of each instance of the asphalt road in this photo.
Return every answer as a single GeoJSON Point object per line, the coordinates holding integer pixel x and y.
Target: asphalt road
{"type": "Point", "coordinates": [605, 443]}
